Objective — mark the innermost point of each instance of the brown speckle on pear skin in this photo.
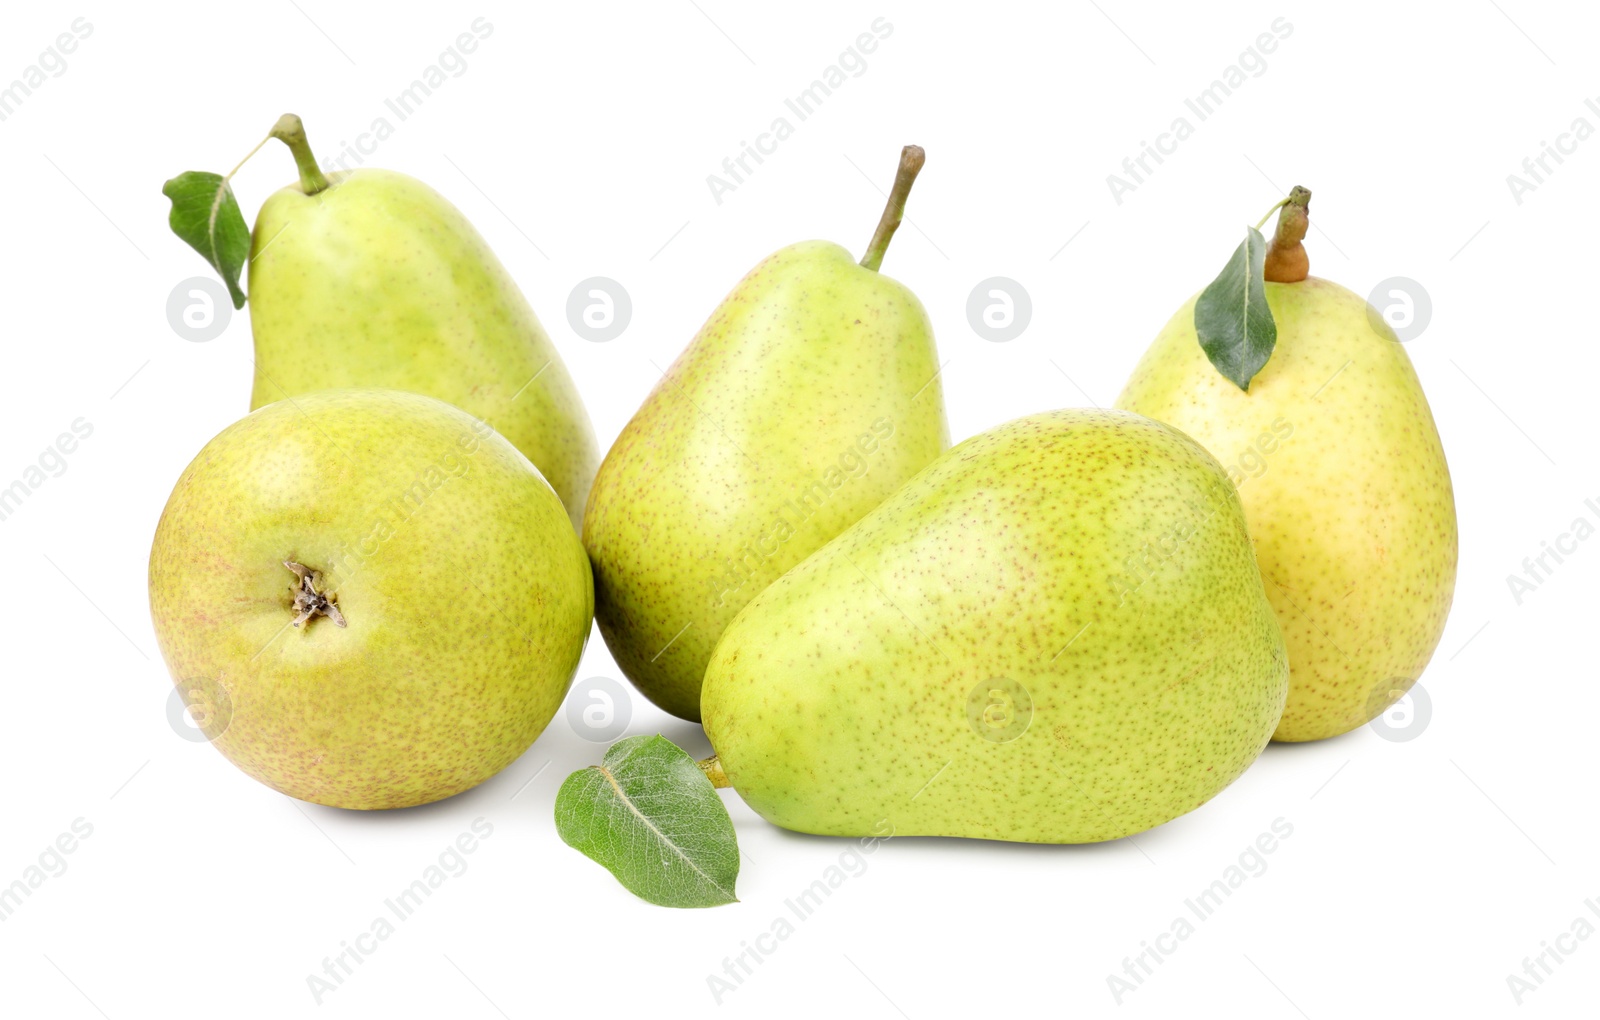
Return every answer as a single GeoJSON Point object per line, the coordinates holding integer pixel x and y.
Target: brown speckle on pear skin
{"type": "Point", "coordinates": [1353, 515]}
{"type": "Point", "coordinates": [1073, 553]}
{"type": "Point", "coordinates": [703, 484]}
{"type": "Point", "coordinates": [465, 617]}
{"type": "Point", "coordinates": [387, 285]}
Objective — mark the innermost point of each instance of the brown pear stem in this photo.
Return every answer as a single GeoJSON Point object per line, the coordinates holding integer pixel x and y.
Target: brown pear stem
{"type": "Point", "coordinates": [1286, 260]}
{"type": "Point", "coordinates": [911, 159]}
{"type": "Point", "coordinates": [292, 133]}
{"type": "Point", "coordinates": [712, 767]}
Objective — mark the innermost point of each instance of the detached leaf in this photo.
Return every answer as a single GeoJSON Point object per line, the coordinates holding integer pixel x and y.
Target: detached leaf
{"type": "Point", "coordinates": [206, 216]}
{"type": "Point", "coordinates": [1231, 316]}
{"type": "Point", "coordinates": [652, 818]}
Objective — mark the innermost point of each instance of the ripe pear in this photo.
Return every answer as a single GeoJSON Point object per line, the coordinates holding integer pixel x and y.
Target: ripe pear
{"type": "Point", "coordinates": [1055, 633]}
{"type": "Point", "coordinates": [370, 278]}
{"type": "Point", "coordinates": [378, 598]}
{"type": "Point", "coordinates": [810, 394]}
{"type": "Point", "coordinates": [1343, 479]}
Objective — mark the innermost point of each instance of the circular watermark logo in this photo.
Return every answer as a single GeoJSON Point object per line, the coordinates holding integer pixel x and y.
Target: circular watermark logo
{"type": "Point", "coordinates": [999, 710]}
{"type": "Point", "coordinates": [999, 309]}
{"type": "Point", "coordinates": [599, 309]}
{"type": "Point", "coordinates": [599, 709]}
{"type": "Point", "coordinates": [199, 709]}
{"type": "Point", "coordinates": [199, 309]}
{"type": "Point", "coordinates": [1400, 709]}
{"type": "Point", "coordinates": [1403, 305]}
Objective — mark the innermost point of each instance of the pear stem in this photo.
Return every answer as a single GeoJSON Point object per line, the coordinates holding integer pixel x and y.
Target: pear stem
{"type": "Point", "coordinates": [1287, 261]}
{"type": "Point", "coordinates": [712, 767]}
{"type": "Point", "coordinates": [292, 133]}
{"type": "Point", "coordinates": [911, 160]}
{"type": "Point", "coordinates": [1268, 215]}
{"type": "Point", "coordinates": [247, 156]}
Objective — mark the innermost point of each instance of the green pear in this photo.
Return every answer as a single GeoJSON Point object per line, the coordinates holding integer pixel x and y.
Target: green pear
{"type": "Point", "coordinates": [810, 394]}
{"type": "Point", "coordinates": [1056, 633]}
{"type": "Point", "coordinates": [1344, 484]}
{"type": "Point", "coordinates": [373, 599]}
{"type": "Point", "coordinates": [371, 278]}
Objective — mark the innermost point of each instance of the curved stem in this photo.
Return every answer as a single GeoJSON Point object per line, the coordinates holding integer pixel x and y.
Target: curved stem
{"type": "Point", "coordinates": [292, 133]}
{"type": "Point", "coordinates": [247, 156]}
{"type": "Point", "coordinates": [712, 767]}
{"type": "Point", "coordinates": [911, 160]}
{"type": "Point", "coordinates": [1275, 207]}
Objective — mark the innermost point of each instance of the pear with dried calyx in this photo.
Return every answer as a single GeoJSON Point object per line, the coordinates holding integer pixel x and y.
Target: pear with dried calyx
{"type": "Point", "coordinates": [370, 278]}
{"type": "Point", "coordinates": [367, 598]}
{"type": "Point", "coordinates": [810, 394]}
{"type": "Point", "coordinates": [1342, 475]}
{"type": "Point", "coordinates": [1055, 633]}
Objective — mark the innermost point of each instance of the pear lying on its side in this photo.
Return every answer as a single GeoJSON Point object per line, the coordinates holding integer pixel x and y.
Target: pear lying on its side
{"type": "Point", "coordinates": [374, 597]}
{"type": "Point", "coordinates": [1343, 480]}
{"type": "Point", "coordinates": [371, 278]}
{"type": "Point", "coordinates": [1055, 633]}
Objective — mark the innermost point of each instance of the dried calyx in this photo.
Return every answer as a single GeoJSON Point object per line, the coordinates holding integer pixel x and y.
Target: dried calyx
{"type": "Point", "coordinates": [309, 599]}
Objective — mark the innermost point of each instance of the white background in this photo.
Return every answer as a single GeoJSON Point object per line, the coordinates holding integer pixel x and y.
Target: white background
{"type": "Point", "coordinates": [1419, 874]}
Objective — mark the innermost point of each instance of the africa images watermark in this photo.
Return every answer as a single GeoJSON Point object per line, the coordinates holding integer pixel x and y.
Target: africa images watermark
{"type": "Point", "coordinates": [388, 520]}
{"type": "Point", "coordinates": [52, 463]}
{"type": "Point", "coordinates": [852, 63]}
{"type": "Point", "coordinates": [1145, 563]}
{"type": "Point", "coordinates": [1536, 168]}
{"type": "Point", "coordinates": [599, 709]}
{"type": "Point", "coordinates": [1251, 863]}
{"type": "Point", "coordinates": [1252, 462]}
{"type": "Point", "coordinates": [852, 863]}
{"type": "Point", "coordinates": [1536, 570]}
{"type": "Point", "coordinates": [1252, 63]}
{"type": "Point", "coordinates": [51, 863]}
{"type": "Point", "coordinates": [399, 908]}
{"type": "Point", "coordinates": [853, 463]}
{"type": "Point", "coordinates": [1536, 968]}
{"type": "Point", "coordinates": [451, 63]}
{"type": "Point", "coordinates": [52, 63]}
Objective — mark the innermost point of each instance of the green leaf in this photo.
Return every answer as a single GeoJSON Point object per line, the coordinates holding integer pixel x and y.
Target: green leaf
{"type": "Point", "coordinates": [1231, 316]}
{"type": "Point", "coordinates": [206, 216]}
{"type": "Point", "coordinates": [652, 818]}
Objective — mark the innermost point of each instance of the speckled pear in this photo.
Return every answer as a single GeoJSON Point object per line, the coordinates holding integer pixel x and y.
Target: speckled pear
{"type": "Point", "coordinates": [369, 598]}
{"type": "Point", "coordinates": [1056, 633]}
{"type": "Point", "coordinates": [810, 394]}
{"type": "Point", "coordinates": [1343, 478]}
{"type": "Point", "coordinates": [370, 278]}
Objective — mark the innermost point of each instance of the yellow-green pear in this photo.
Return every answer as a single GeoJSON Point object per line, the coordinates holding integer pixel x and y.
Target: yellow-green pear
{"type": "Point", "coordinates": [1056, 633]}
{"type": "Point", "coordinates": [370, 278]}
{"type": "Point", "coordinates": [1343, 479]}
{"type": "Point", "coordinates": [810, 394]}
{"type": "Point", "coordinates": [368, 598]}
